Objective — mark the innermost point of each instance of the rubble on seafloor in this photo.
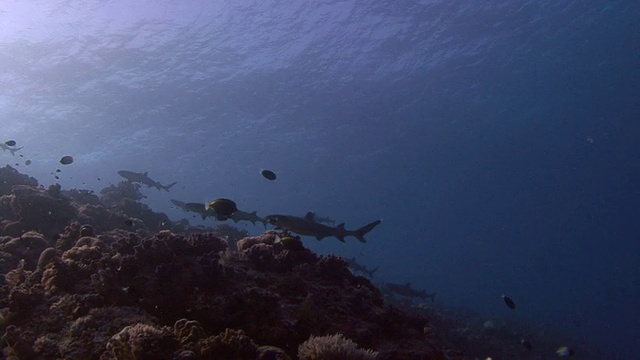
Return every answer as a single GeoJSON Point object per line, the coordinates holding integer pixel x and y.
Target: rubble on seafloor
{"type": "Point", "coordinates": [80, 284]}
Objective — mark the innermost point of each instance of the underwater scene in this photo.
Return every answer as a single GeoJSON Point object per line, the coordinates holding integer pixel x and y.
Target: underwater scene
{"type": "Point", "coordinates": [317, 180]}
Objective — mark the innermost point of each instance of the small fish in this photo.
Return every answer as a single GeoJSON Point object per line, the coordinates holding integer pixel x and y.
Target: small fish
{"type": "Point", "coordinates": [290, 242]}
{"type": "Point", "coordinates": [58, 170]}
{"type": "Point", "coordinates": [223, 208]}
{"type": "Point", "coordinates": [268, 174]}
{"type": "Point", "coordinates": [28, 162]}
{"type": "Point", "coordinates": [10, 142]}
{"type": "Point", "coordinates": [526, 344]}
{"type": "Point", "coordinates": [128, 222]}
{"type": "Point", "coordinates": [57, 177]}
{"type": "Point", "coordinates": [564, 351]}
{"type": "Point", "coordinates": [509, 302]}
{"type": "Point", "coordinates": [66, 160]}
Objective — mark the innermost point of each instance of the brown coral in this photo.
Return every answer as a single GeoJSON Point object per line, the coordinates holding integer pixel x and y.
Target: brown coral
{"type": "Point", "coordinates": [141, 342]}
{"type": "Point", "coordinates": [229, 345]}
{"type": "Point", "coordinates": [333, 347]}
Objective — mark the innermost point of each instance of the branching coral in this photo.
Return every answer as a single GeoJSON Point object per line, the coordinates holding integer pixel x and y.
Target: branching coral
{"type": "Point", "coordinates": [230, 344]}
{"type": "Point", "coordinates": [141, 342]}
{"type": "Point", "coordinates": [333, 347]}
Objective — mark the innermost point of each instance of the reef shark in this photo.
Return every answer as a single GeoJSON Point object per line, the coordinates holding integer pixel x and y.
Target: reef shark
{"type": "Point", "coordinates": [205, 212]}
{"type": "Point", "coordinates": [143, 179]}
{"type": "Point", "coordinates": [407, 291]}
{"type": "Point", "coordinates": [323, 219]}
{"type": "Point", "coordinates": [6, 147]}
{"type": "Point", "coordinates": [356, 266]}
{"type": "Point", "coordinates": [198, 208]}
{"type": "Point", "coordinates": [308, 226]}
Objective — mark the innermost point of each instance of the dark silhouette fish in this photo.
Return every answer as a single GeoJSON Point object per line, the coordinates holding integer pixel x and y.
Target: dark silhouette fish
{"type": "Point", "coordinates": [143, 179]}
{"type": "Point", "coordinates": [407, 291]}
{"type": "Point", "coordinates": [66, 160]}
{"type": "Point", "coordinates": [309, 227]}
{"type": "Point", "coordinates": [510, 303]}
{"type": "Point", "coordinates": [268, 174]}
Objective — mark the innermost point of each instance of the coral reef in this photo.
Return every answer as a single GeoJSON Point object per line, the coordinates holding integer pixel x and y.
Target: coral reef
{"type": "Point", "coordinates": [334, 347]}
{"type": "Point", "coordinates": [88, 277]}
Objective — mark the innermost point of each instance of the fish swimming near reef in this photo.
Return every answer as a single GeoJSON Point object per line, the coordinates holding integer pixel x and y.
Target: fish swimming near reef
{"type": "Point", "coordinates": [200, 208]}
{"type": "Point", "coordinates": [13, 150]}
{"type": "Point", "coordinates": [223, 208]}
{"type": "Point", "coordinates": [356, 266]}
{"type": "Point", "coordinates": [144, 179]}
{"type": "Point", "coordinates": [310, 227]}
{"type": "Point", "coordinates": [510, 303]}
{"type": "Point", "coordinates": [407, 291]}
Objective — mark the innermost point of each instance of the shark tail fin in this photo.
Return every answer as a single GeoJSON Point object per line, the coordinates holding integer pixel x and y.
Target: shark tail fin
{"type": "Point", "coordinates": [361, 232]}
{"type": "Point", "coordinates": [167, 187]}
{"type": "Point", "coordinates": [373, 271]}
{"type": "Point", "coordinates": [13, 151]}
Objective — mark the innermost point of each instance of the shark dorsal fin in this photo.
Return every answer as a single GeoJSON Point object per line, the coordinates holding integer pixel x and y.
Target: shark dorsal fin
{"type": "Point", "coordinates": [310, 216]}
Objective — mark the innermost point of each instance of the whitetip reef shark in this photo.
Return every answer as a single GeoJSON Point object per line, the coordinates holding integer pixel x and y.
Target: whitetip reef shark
{"type": "Point", "coordinates": [144, 179]}
{"type": "Point", "coordinates": [308, 226]}
{"type": "Point", "coordinates": [205, 212]}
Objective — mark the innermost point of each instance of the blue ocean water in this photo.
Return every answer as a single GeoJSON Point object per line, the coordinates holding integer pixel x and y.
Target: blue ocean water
{"type": "Point", "coordinates": [497, 140]}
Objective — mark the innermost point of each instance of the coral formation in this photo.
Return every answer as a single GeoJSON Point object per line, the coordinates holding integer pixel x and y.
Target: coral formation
{"type": "Point", "coordinates": [88, 277]}
{"type": "Point", "coordinates": [334, 347]}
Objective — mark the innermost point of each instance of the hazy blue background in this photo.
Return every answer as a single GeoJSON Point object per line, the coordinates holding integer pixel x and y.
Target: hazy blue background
{"type": "Point", "coordinates": [498, 140]}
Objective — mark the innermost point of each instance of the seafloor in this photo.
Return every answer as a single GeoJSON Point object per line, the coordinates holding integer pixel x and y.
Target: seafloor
{"type": "Point", "coordinates": [102, 276]}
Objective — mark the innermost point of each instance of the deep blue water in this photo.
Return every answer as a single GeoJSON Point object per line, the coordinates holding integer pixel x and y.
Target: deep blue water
{"type": "Point", "coordinates": [498, 140]}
